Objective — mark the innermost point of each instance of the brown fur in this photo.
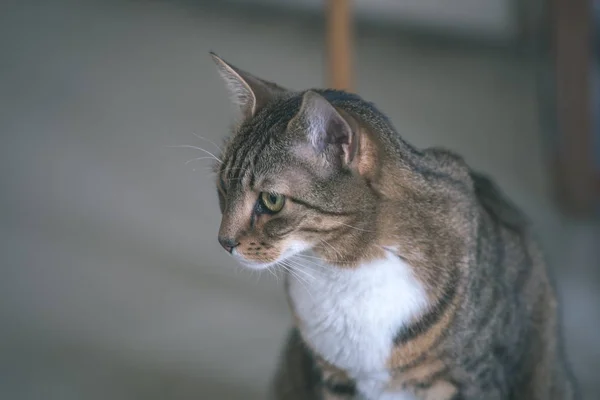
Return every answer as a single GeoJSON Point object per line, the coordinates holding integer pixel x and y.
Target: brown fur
{"type": "Point", "coordinates": [490, 328]}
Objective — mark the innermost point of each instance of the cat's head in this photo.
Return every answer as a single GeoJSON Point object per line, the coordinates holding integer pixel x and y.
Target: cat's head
{"type": "Point", "coordinates": [291, 177]}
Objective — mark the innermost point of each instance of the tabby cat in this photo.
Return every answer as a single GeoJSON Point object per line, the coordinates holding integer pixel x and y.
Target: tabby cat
{"type": "Point", "coordinates": [409, 276]}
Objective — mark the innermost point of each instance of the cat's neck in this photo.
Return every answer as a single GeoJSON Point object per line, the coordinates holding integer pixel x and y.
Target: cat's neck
{"type": "Point", "coordinates": [359, 308]}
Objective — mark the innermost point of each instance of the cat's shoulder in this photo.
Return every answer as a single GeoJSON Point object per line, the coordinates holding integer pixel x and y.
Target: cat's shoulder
{"type": "Point", "coordinates": [495, 201]}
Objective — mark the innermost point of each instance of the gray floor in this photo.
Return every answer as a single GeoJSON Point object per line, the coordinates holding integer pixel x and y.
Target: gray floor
{"type": "Point", "coordinates": [112, 283]}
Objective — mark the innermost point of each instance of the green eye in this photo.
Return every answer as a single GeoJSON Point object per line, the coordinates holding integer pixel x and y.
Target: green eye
{"type": "Point", "coordinates": [272, 202]}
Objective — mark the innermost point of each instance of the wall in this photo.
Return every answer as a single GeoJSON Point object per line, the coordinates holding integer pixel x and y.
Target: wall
{"type": "Point", "coordinates": [492, 18]}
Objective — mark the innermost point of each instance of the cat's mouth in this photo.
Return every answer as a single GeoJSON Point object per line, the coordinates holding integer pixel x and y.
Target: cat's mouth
{"type": "Point", "coordinates": [252, 264]}
{"type": "Point", "coordinates": [292, 249]}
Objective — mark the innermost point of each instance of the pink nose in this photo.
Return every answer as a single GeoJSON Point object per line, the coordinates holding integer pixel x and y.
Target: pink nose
{"type": "Point", "coordinates": [228, 244]}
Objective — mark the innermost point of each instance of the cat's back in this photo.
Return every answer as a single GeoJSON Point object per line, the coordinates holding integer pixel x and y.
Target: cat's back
{"type": "Point", "coordinates": [514, 293]}
{"type": "Point", "coordinates": [496, 203]}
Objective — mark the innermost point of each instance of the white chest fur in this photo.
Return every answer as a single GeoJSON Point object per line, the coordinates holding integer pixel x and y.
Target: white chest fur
{"type": "Point", "coordinates": [350, 316]}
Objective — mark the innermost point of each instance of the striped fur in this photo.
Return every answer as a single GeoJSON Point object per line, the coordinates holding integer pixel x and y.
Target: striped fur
{"type": "Point", "coordinates": [409, 275]}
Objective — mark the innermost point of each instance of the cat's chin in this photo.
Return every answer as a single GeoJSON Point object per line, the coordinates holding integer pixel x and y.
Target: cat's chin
{"type": "Point", "coordinates": [257, 266]}
{"type": "Point", "coordinates": [292, 250]}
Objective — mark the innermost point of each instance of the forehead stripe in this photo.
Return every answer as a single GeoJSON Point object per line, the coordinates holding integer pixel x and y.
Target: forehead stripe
{"type": "Point", "coordinates": [236, 170]}
{"type": "Point", "coordinates": [322, 211]}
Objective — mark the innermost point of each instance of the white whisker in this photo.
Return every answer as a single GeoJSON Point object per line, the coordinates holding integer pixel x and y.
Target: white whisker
{"type": "Point", "coordinates": [273, 273]}
{"type": "Point", "coordinates": [354, 227]}
{"type": "Point", "coordinates": [208, 140]}
{"type": "Point", "coordinates": [307, 256]}
{"type": "Point", "coordinates": [198, 158]}
{"type": "Point", "coordinates": [293, 270]}
{"type": "Point", "coordinates": [187, 146]}
{"type": "Point", "coordinates": [333, 248]}
{"type": "Point", "coordinates": [305, 284]}
{"type": "Point", "coordinates": [289, 269]}
{"type": "Point", "coordinates": [257, 274]}
{"type": "Point", "coordinates": [307, 262]}
{"type": "Point", "coordinates": [299, 268]}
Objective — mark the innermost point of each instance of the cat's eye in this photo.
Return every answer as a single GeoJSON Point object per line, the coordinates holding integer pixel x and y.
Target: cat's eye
{"type": "Point", "coordinates": [273, 202]}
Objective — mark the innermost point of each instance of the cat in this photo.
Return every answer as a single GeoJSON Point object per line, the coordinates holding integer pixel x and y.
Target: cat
{"type": "Point", "coordinates": [409, 276]}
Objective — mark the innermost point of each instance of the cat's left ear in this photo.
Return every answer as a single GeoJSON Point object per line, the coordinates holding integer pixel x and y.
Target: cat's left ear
{"type": "Point", "coordinates": [327, 130]}
{"type": "Point", "coordinates": [247, 91]}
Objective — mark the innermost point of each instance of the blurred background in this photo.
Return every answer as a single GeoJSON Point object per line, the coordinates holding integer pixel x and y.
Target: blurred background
{"type": "Point", "coordinates": [112, 283]}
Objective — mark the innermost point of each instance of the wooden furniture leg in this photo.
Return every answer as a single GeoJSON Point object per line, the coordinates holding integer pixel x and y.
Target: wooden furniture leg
{"type": "Point", "coordinates": [339, 44]}
{"type": "Point", "coordinates": [573, 52]}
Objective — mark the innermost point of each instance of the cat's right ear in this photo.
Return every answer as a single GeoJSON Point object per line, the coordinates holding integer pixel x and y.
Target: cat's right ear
{"type": "Point", "coordinates": [247, 91]}
{"type": "Point", "coordinates": [325, 128]}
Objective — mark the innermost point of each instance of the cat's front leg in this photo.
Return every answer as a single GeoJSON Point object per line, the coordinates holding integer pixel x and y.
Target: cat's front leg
{"type": "Point", "coordinates": [297, 376]}
{"type": "Point", "coordinates": [301, 375]}
{"type": "Point", "coordinates": [440, 390]}
{"type": "Point", "coordinates": [337, 393]}
{"type": "Point", "coordinates": [335, 384]}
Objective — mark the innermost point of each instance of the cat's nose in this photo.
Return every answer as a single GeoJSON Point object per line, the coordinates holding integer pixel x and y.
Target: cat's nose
{"type": "Point", "coordinates": [228, 243]}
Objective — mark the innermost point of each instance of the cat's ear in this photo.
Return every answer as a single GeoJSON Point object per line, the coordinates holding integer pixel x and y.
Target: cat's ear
{"type": "Point", "coordinates": [326, 128]}
{"type": "Point", "coordinates": [247, 91]}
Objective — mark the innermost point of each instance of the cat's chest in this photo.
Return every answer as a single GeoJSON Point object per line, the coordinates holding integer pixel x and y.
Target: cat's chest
{"type": "Point", "coordinates": [350, 316]}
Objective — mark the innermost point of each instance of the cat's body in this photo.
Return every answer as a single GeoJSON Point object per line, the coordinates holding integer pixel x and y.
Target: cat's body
{"type": "Point", "coordinates": [502, 342]}
{"type": "Point", "coordinates": [410, 276]}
